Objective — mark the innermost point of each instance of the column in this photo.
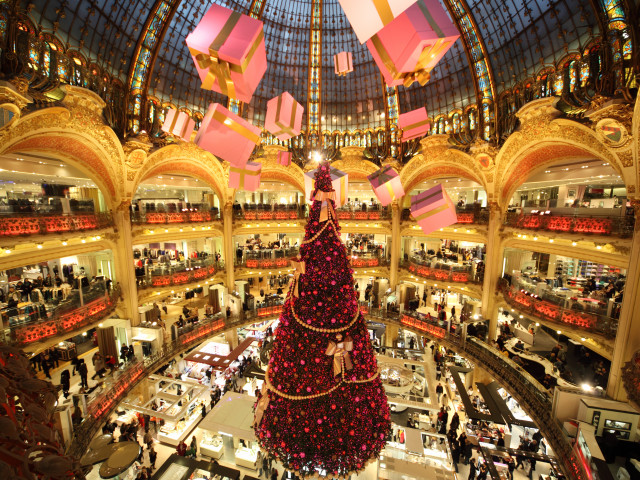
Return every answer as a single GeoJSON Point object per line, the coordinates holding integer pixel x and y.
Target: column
{"type": "Point", "coordinates": [628, 336]}
{"type": "Point", "coordinates": [231, 336]}
{"type": "Point", "coordinates": [492, 268]}
{"type": "Point", "coordinates": [390, 336]}
{"type": "Point", "coordinates": [396, 241]}
{"type": "Point", "coordinates": [123, 257]}
{"type": "Point", "coordinates": [229, 253]}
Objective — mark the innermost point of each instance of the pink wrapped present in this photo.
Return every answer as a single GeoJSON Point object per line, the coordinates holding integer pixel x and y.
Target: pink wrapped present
{"type": "Point", "coordinates": [246, 178]}
{"type": "Point", "coordinates": [414, 124]}
{"type": "Point", "coordinates": [409, 47]}
{"type": "Point", "coordinates": [386, 185]}
{"type": "Point", "coordinates": [343, 63]}
{"type": "Point", "coordinates": [433, 209]}
{"type": "Point", "coordinates": [339, 180]}
{"type": "Point", "coordinates": [178, 124]}
{"type": "Point", "coordinates": [284, 158]}
{"type": "Point", "coordinates": [367, 17]}
{"type": "Point", "coordinates": [227, 136]}
{"type": "Point", "coordinates": [284, 117]}
{"type": "Point", "coordinates": [228, 51]}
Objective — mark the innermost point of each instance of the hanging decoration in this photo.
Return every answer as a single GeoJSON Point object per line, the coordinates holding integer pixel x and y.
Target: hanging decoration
{"type": "Point", "coordinates": [245, 178]}
{"type": "Point", "coordinates": [408, 48]}
{"type": "Point", "coordinates": [433, 209]}
{"type": "Point", "coordinates": [386, 185]}
{"type": "Point", "coordinates": [343, 63]}
{"type": "Point", "coordinates": [414, 124]}
{"type": "Point", "coordinates": [284, 117]}
{"type": "Point", "coordinates": [284, 158]}
{"type": "Point", "coordinates": [178, 124]}
{"type": "Point", "coordinates": [367, 17]}
{"type": "Point", "coordinates": [339, 180]}
{"type": "Point", "coordinates": [323, 410]}
{"type": "Point", "coordinates": [228, 50]}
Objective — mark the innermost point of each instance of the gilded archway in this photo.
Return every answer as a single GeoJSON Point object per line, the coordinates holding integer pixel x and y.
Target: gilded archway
{"type": "Point", "coordinates": [272, 170]}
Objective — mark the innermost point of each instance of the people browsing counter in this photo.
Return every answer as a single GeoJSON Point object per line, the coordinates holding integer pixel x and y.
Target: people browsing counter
{"type": "Point", "coordinates": [176, 404]}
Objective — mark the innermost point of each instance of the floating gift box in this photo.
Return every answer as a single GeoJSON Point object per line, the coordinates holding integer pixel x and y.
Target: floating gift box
{"type": "Point", "coordinates": [339, 181]}
{"type": "Point", "coordinates": [284, 158]}
{"type": "Point", "coordinates": [414, 124]}
{"type": "Point", "coordinates": [408, 48]}
{"type": "Point", "coordinates": [246, 178]}
{"type": "Point", "coordinates": [343, 63]}
{"type": "Point", "coordinates": [433, 209]}
{"type": "Point", "coordinates": [386, 185]}
{"type": "Point", "coordinates": [284, 117]}
{"type": "Point", "coordinates": [178, 124]}
{"type": "Point", "coordinates": [369, 16]}
{"type": "Point", "coordinates": [229, 53]}
{"type": "Point", "coordinates": [227, 136]}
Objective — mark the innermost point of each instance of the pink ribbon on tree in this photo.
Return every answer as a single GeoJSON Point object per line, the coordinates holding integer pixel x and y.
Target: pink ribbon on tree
{"type": "Point", "coordinates": [340, 351]}
{"type": "Point", "coordinates": [326, 211]}
{"type": "Point", "coordinates": [300, 267]}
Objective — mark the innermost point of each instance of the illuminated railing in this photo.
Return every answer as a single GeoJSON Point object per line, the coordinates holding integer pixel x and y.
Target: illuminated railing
{"type": "Point", "coordinates": [63, 322]}
{"type": "Point", "coordinates": [476, 216]}
{"type": "Point", "coordinates": [267, 258]}
{"type": "Point", "coordinates": [537, 307]}
{"type": "Point", "coordinates": [444, 272]}
{"type": "Point", "coordinates": [621, 226]}
{"type": "Point", "coordinates": [193, 271]}
{"type": "Point", "coordinates": [16, 225]}
{"type": "Point", "coordinates": [367, 260]}
{"type": "Point", "coordinates": [281, 213]}
{"type": "Point", "coordinates": [164, 218]}
{"type": "Point", "coordinates": [375, 214]}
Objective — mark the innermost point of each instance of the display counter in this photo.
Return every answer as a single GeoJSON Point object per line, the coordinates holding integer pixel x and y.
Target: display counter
{"type": "Point", "coordinates": [247, 456]}
{"type": "Point", "coordinates": [211, 445]}
{"type": "Point", "coordinates": [173, 433]}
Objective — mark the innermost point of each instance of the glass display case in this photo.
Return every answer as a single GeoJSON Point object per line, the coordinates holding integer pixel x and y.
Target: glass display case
{"type": "Point", "coordinates": [247, 454]}
{"type": "Point", "coordinates": [211, 445]}
{"type": "Point", "coordinates": [172, 432]}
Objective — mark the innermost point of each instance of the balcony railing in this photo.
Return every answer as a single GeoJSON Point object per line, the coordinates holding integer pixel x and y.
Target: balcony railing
{"type": "Point", "coordinates": [23, 224]}
{"type": "Point", "coordinates": [595, 321]}
{"type": "Point", "coordinates": [70, 316]}
{"type": "Point", "coordinates": [444, 272]}
{"type": "Point", "coordinates": [267, 257]}
{"type": "Point", "coordinates": [376, 213]}
{"type": "Point", "coordinates": [620, 226]}
{"type": "Point", "coordinates": [368, 259]}
{"type": "Point", "coordinates": [183, 273]}
{"type": "Point", "coordinates": [164, 218]}
{"type": "Point", "coordinates": [269, 212]}
{"type": "Point", "coordinates": [466, 216]}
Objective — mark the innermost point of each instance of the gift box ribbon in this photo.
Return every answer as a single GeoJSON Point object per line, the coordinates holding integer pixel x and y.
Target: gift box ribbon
{"type": "Point", "coordinates": [418, 202]}
{"type": "Point", "coordinates": [384, 11]}
{"type": "Point", "coordinates": [415, 125]}
{"type": "Point", "coordinates": [428, 214]}
{"type": "Point", "coordinates": [326, 210]}
{"type": "Point", "coordinates": [383, 178]}
{"type": "Point", "coordinates": [286, 129]}
{"type": "Point", "coordinates": [341, 69]}
{"type": "Point", "coordinates": [220, 70]}
{"type": "Point", "coordinates": [236, 127]}
{"type": "Point", "coordinates": [300, 267]}
{"type": "Point", "coordinates": [343, 184]}
{"type": "Point", "coordinates": [242, 174]}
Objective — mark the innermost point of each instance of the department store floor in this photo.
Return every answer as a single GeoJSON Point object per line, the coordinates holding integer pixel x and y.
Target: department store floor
{"type": "Point", "coordinates": [164, 451]}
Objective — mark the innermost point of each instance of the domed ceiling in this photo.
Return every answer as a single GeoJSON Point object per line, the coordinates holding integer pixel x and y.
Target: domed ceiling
{"type": "Point", "coordinates": [502, 42]}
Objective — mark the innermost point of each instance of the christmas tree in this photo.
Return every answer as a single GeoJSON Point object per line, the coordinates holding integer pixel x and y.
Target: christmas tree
{"type": "Point", "coordinates": [323, 410]}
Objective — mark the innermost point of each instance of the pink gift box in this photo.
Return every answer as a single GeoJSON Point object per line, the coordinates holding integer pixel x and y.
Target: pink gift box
{"type": "Point", "coordinates": [229, 53]}
{"type": "Point", "coordinates": [414, 124]}
{"type": "Point", "coordinates": [343, 63]}
{"type": "Point", "coordinates": [245, 178]}
{"type": "Point", "coordinates": [227, 136]}
{"type": "Point", "coordinates": [433, 209]}
{"type": "Point", "coordinates": [339, 181]}
{"type": "Point", "coordinates": [408, 48]}
{"type": "Point", "coordinates": [386, 185]}
{"type": "Point", "coordinates": [178, 124]}
{"type": "Point", "coordinates": [284, 158]}
{"type": "Point", "coordinates": [284, 117]}
{"type": "Point", "coordinates": [367, 17]}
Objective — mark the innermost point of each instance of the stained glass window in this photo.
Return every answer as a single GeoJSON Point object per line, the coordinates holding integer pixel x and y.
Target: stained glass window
{"type": "Point", "coordinates": [584, 73]}
{"type": "Point", "coordinates": [456, 123]}
{"type": "Point", "coordinates": [34, 56]}
{"type": "Point", "coordinates": [472, 119]}
{"type": "Point", "coordinates": [46, 60]}
{"type": "Point", "coordinates": [573, 75]}
{"type": "Point", "coordinates": [558, 84]}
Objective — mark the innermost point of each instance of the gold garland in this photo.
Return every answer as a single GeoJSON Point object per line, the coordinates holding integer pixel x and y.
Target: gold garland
{"type": "Point", "coordinates": [328, 222]}
{"type": "Point", "coordinates": [315, 395]}
{"type": "Point", "coordinates": [325, 330]}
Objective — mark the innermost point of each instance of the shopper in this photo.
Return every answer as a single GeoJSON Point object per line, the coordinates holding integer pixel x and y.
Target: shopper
{"type": "Point", "coordinates": [472, 469]}
{"type": "Point", "coordinates": [482, 474]}
{"type": "Point", "coordinates": [455, 454]}
{"type": "Point", "coordinates": [65, 382]}
{"type": "Point", "coordinates": [46, 366]}
{"type": "Point", "coordinates": [181, 449]}
{"type": "Point", "coordinates": [259, 463]}
{"type": "Point", "coordinates": [274, 474]}
{"type": "Point", "coordinates": [152, 457]}
{"type": "Point", "coordinates": [148, 440]}
{"type": "Point", "coordinates": [83, 372]}
{"type": "Point", "coordinates": [439, 390]}
{"type": "Point", "coordinates": [511, 465]}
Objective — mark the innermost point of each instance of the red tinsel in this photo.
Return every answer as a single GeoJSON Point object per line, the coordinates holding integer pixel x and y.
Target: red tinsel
{"type": "Point", "coordinates": [340, 432]}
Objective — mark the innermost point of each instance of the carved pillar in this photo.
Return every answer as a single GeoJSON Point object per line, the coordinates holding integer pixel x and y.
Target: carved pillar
{"type": "Point", "coordinates": [396, 241]}
{"type": "Point", "coordinates": [492, 268]}
{"type": "Point", "coordinates": [628, 336]}
{"type": "Point", "coordinates": [229, 254]}
{"type": "Point", "coordinates": [231, 336]}
{"type": "Point", "coordinates": [123, 256]}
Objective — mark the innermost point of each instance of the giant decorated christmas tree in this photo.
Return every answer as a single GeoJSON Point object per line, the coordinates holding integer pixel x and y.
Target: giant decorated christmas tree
{"type": "Point", "coordinates": [323, 409]}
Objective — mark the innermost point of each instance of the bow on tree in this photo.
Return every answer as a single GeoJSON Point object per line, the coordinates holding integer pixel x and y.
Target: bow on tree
{"type": "Point", "coordinates": [327, 208]}
{"type": "Point", "coordinates": [262, 404]}
{"type": "Point", "coordinates": [300, 267]}
{"type": "Point", "coordinates": [340, 351]}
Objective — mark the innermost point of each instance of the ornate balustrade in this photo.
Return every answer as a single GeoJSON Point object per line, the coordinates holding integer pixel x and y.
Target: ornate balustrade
{"type": "Point", "coordinates": [16, 225]}
{"type": "Point", "coordinates": [537, 307]}
{"type": "Point", "coordinates": [65, 322]}
{"type": "Point", "coordinates": [198, 271]}
{"type": "Point", "coordinates": [615, 225]}
{"type": "Point", "coordinates": [345, 214]}
{"type": "Point", "coordinates": [465, 216]}
{"type": "Point", "coordinates": [268, 214]}
{"type": "Point", "coordinates": [457, 274]}
{"type": "Point", "coordinates": [163, 218]}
